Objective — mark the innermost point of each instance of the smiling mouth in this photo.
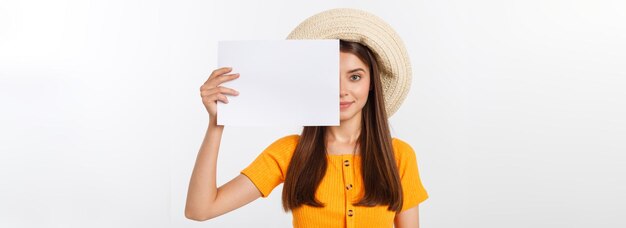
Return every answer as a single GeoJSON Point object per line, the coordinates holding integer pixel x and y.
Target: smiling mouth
{"type": "Point", "coordinates": [345, 104]}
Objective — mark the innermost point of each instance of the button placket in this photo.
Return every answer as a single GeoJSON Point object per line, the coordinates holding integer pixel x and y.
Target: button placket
{"type": "Point", "coordinates": [346, 163]}
{"type": "Point", "coordinates": [348, 171]}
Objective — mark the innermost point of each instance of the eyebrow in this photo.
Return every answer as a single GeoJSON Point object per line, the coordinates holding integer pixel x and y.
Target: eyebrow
{"type": "Point", "coordinates": [355, 70]}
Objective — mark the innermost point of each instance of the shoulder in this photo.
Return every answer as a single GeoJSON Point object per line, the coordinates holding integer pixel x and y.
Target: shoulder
{"type": "Point", "coordinates": [283, 146]}
{"type": "Point", "coordinates": [286, 141]}
{"type": "Point", "coordinates": [402, 150]}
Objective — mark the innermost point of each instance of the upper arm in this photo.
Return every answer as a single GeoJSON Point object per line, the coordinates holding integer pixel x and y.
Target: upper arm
{"type": "Point", "coordinates": [257, 180]}
{"type": "Point", "coordinates": [408, 218]}
{"type": "Point", "coordinates": [412, 188]}
{"type": "Point", "coordinates": [413, 192]}
{"type": "Point", "coordinates": [269, 169]}
{"type": "Point", "coordinates": [236, 193]}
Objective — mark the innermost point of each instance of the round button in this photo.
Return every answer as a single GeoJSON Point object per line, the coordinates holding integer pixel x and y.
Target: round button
{"type": "Point", "coordinates": [349, 186]}
{"type": "Point", "coordinates": [350, 213]}
{"type": "Point", "coordinates": [346, 163]}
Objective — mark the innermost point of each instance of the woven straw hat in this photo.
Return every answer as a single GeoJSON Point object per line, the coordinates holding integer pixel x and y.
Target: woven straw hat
{"type": "Point", "coordinates": [371, 31]}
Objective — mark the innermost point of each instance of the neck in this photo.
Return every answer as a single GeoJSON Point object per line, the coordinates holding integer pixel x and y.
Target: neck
{"type": "Point", "coordinates": [347, 132]}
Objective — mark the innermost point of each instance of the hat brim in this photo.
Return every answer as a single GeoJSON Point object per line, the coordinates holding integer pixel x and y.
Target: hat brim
{"type": "Point", "coordinates": [370, 30]}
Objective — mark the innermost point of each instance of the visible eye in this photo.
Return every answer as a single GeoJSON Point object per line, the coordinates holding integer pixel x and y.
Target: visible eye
{"type": "Point", "coordinates": [356, 76]}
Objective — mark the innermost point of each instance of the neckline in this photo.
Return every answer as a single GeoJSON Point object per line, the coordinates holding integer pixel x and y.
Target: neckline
{"type": "Point", "coordinates": [353, 154]}
{"type": "Point", "coordinates": [341, 155]}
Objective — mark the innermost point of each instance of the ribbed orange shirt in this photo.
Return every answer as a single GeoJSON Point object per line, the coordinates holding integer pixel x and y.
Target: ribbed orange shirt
{"type": "Point", "coordinates": [340, 187]}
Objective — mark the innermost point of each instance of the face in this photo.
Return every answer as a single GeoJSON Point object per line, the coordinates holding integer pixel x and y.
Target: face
{"type": "Point", "coordinates": [354, 85]}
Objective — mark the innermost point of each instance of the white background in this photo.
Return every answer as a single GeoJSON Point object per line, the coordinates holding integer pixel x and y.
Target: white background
{"type": "Point", "coordinates": [516, 110]}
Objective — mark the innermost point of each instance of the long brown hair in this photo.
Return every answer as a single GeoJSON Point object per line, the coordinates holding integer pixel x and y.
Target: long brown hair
{"type": "Point", "coordinates": [380, 173]}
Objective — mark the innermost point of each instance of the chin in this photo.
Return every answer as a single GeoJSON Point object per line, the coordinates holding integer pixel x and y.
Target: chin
{"type": "Point", "coordinates": [343, 116]}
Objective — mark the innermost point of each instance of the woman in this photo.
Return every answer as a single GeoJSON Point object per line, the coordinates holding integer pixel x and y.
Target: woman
{"type": "Point", "coordinates": [351, 175]}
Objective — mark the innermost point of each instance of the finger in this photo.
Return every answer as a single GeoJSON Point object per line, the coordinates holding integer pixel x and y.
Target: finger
{"type": "Point", "coordinates": [215, 81]}
{"type": "Point", "coordinates": [226, 90]}
{"type": "Point", "coordinates": [208, 91]}
{"type": "Point", "coordinates": [213, 95]}
{"type": "Point", "coordinates": [222, 70]}
{"type": "Point", "coordinates": [227, 77]}
{"type": "Point", "coordinates": [219, 71]}
{"type": "Point", "coordinates": [222, 98]}
{"type": "Point", "coordinates": [206, 94]}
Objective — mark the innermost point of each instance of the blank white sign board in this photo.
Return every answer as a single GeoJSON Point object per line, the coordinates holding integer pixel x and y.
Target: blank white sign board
{"type": "Point", "coordinates": [281, 82]}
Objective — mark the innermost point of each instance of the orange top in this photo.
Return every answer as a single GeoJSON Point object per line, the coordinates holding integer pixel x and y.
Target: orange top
{"type": "Point", "coordinates": [268, 170]}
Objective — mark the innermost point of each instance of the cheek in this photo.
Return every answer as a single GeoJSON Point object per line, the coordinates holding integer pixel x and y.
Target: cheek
{"type": "Point", "coordinates": [363, 92]}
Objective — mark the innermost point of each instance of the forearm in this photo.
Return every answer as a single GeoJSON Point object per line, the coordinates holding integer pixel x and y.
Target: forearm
{"type": "Point", "coordinates": [202, 186]}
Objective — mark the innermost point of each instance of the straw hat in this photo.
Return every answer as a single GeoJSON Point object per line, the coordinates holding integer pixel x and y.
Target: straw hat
{"type": "Point", "coordinates": [371, 31]}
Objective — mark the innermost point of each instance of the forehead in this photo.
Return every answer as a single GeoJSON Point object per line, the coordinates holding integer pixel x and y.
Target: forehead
{"type": "Point", "coordinates": [349, 61]}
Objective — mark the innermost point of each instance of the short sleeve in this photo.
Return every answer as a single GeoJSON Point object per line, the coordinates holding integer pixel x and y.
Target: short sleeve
{"type": "Point", "coordinates": [268, 170]}
{"type": "Point", "coordinates": [413, 190]}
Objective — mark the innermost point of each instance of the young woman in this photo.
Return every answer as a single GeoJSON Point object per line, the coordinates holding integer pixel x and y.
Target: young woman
{"type": "Point", "coordinates": [351, 175]}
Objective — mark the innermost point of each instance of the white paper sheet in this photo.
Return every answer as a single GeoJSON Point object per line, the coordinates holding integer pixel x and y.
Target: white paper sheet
{"type": "Point", "coordinates": [282, 82]}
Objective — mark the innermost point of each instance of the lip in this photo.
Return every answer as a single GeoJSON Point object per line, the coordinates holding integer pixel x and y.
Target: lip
{"type": "Point", "coordinates": [344, 105]}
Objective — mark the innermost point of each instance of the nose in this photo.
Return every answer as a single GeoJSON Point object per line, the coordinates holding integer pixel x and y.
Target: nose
{"type": "Point", "coordinates": [342, 90]}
